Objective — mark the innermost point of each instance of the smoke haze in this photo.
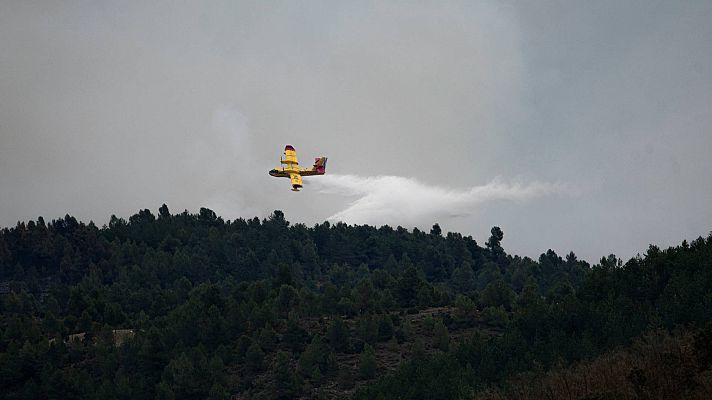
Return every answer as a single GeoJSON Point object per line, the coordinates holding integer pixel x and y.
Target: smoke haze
{"type": "Point", "coordinates": [397, 200]}
{"type": "Point", "coordinates": [111, 107]}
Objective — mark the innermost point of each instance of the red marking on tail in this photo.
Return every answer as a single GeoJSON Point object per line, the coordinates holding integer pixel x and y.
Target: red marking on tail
{"type": "Point", "coordinates": [320, 165]}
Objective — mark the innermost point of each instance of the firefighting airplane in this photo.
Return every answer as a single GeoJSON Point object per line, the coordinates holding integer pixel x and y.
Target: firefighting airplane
{"type": "Point", "coordinates": [292, 171]}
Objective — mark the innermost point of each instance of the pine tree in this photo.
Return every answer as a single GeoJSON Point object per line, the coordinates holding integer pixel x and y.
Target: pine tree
{"type": "Point", "coordinates": [367, 363]}
{"type": "Point", "coordinates": [441, 337]}
{"type": "Point", "coordinates": [338, 334]}
{"type": "Point", "coordinates": [254, 358]}
{"type": "Point", "coordinates": [286, 382]}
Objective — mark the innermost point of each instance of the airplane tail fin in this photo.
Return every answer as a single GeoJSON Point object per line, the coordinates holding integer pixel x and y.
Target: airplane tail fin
{"type": "Point", "coordinates": [320, 165]}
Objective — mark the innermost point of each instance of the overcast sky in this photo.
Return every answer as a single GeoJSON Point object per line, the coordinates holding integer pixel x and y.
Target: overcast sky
{"type": "Point", "coordinates": [576, 126]}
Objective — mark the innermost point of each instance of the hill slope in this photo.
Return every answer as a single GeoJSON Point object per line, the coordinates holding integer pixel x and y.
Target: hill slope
{"type": "Point", "coordinates": [192, 306]}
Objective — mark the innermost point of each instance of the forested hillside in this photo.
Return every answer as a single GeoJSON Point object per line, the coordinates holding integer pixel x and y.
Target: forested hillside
{"type": "Point", "coordinates": [190, 306]}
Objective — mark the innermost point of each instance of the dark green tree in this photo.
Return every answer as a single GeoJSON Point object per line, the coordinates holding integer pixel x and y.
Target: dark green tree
{"type": "Point", "coordinates": [286, 382]}
{"type": "Point", "coordinates": [287, 299]}
{"type": "Point", "coordinates": [496, 294]}
{"type": "Point", "coordinates": [367, 363]}
{"type": "Point", "coordinates": [338, 334]}
{"type": "Point", "coordinates": [441, 336]}
{"type": "Point", "coordinates": [254, 359]}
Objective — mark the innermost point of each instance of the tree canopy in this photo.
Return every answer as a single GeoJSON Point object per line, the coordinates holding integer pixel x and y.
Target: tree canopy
{"type": "Point", "coordinates": [193, 306]}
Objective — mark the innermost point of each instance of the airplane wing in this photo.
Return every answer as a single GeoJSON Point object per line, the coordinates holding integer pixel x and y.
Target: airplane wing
{"type": "Point", "coordinates": [296, 181]}
{"type": "Point", "coordinates": [290, 156]}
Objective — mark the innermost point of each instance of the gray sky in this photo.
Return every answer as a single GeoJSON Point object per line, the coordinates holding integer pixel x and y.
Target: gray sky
{"type": "Point", "coordinates": [583, 126]}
